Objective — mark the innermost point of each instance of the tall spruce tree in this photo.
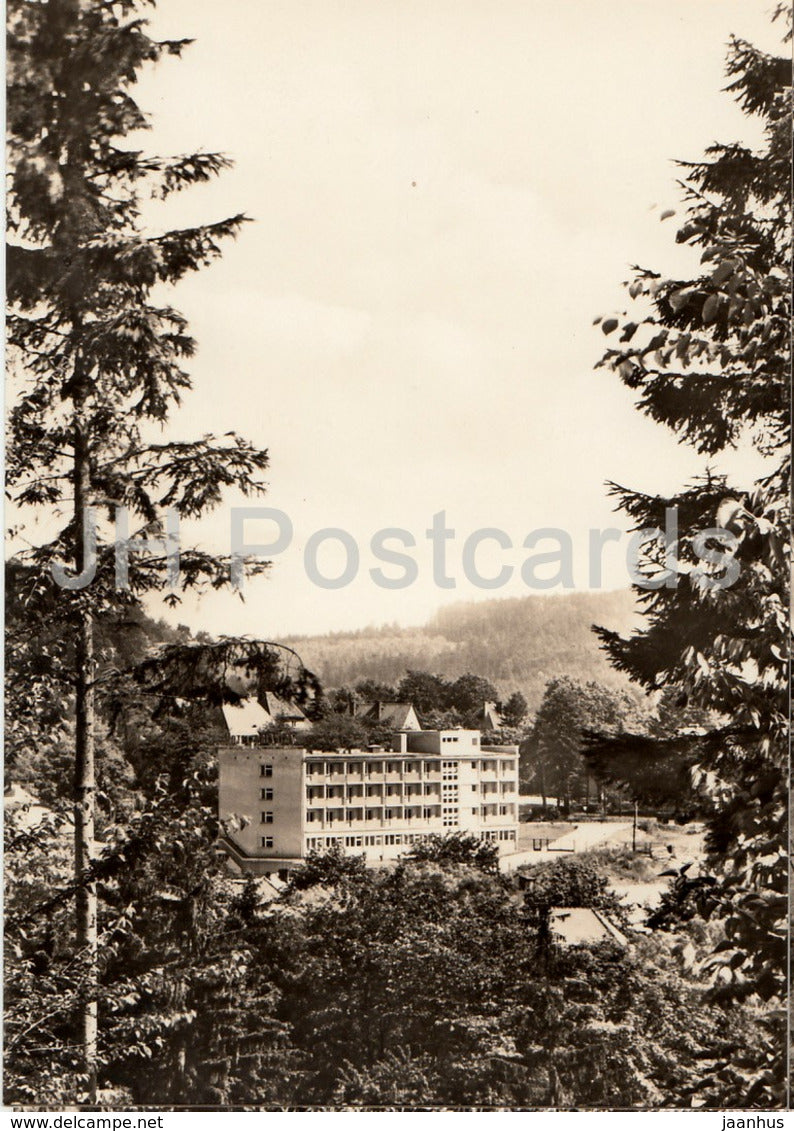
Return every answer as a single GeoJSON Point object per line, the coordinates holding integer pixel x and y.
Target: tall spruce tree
{"type": "Point", "coordinates": [95, 360]}
{"type": "Point", "coordinates": [709, 357]}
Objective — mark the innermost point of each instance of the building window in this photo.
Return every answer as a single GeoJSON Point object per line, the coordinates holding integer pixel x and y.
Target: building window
{"type": "Point", "coordinates": [266, 771]}
{"type": "Point", "coordinates": [267, 841]}
{"type": "Point", "coordinates": [449, 815]}
{"type": "Point", "coordinates": [267, 818]}
{"type": "Point", "coordinates": [267, 794]}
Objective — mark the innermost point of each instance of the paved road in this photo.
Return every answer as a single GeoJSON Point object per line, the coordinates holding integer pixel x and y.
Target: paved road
{"type": "Point", "coordinates": [581, 838]}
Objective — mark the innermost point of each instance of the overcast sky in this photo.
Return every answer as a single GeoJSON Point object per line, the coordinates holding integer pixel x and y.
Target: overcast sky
{"type": "Point", "coordinates": [445, 195]}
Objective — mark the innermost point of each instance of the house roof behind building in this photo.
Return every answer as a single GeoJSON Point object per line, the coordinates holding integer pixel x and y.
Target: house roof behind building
{"type": "Point", "coordinates": [248, 716]}
{"type": "Point", "coordinates": [400, 716]}
{"type": "Point", "coordinates": [490, 716]}
{"type": "Point", "coordinates": [279, 708]}
{"type": "Point", "coordinates": [245, 718]}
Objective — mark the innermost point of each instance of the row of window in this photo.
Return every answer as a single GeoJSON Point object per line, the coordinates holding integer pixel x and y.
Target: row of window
{"type": "Point", "coordinates": [409, 812]}
{"type": "Point", "coordinates": [449, 795]}
{"type": "Point", "coordinates": [449, 770]}
{"type": "Point", "coordinates": [427, 813]}
{"type": "Point", "coordinates": [317, 792]}
{"type": "Point", "coordinates": [352, 792]}
{"type": "Point", "coordinates": [368, 840]}
{"type": "Point", "coordinates": [378, 840]}
{"type": "Point", "coordinates": [322, 769]}
{"type": "Point", "coordinates": [412, 766]}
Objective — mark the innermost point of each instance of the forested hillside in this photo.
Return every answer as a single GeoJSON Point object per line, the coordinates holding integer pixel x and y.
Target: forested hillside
{"type": "Point", "coordinates": [518, 644]}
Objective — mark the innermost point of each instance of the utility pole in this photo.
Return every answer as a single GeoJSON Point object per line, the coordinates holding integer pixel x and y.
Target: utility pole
{"type": "Point", "coordinates": [634, 830]}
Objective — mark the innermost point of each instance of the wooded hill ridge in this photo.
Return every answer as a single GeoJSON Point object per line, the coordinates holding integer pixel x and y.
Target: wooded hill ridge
{"type": "Point", "coordinates": [518, 644]}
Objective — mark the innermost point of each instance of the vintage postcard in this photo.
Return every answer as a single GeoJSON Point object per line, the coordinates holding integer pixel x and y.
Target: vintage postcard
{"type": "Point", "coordinates": [397, 587]}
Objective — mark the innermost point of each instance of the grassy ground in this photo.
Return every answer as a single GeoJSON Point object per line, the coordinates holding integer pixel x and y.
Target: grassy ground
{"type": "Point", "coordinates": [621, 865]}
{"type": "Point", "coordinates": [686, 841]}
{"type": "Point", "coordinates": [636, 876]}
{"type": "Point", "coordinates": [659, 847]}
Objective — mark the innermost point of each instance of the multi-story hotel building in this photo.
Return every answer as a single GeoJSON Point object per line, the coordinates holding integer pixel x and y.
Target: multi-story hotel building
{"type": "Point", "coordinates": [277, 803]}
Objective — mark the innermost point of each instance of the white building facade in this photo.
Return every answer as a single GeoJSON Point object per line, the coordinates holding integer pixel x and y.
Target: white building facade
{"type": "Point", "coordinates": [279, 803]}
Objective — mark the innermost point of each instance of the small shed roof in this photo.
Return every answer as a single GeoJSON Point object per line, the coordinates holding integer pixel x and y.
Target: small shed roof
{"type": "Point", "coordinates": [577, 925]}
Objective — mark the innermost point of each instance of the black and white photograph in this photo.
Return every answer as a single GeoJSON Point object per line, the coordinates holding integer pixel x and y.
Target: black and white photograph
{"type": "Point", "coordinates": [397, 588]}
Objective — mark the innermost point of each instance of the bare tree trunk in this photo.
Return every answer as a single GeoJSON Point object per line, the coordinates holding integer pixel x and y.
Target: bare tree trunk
{"type": "Point", "coordinates": [84, 798]}
{"type": "Point", "coordinates": [85, 774]}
